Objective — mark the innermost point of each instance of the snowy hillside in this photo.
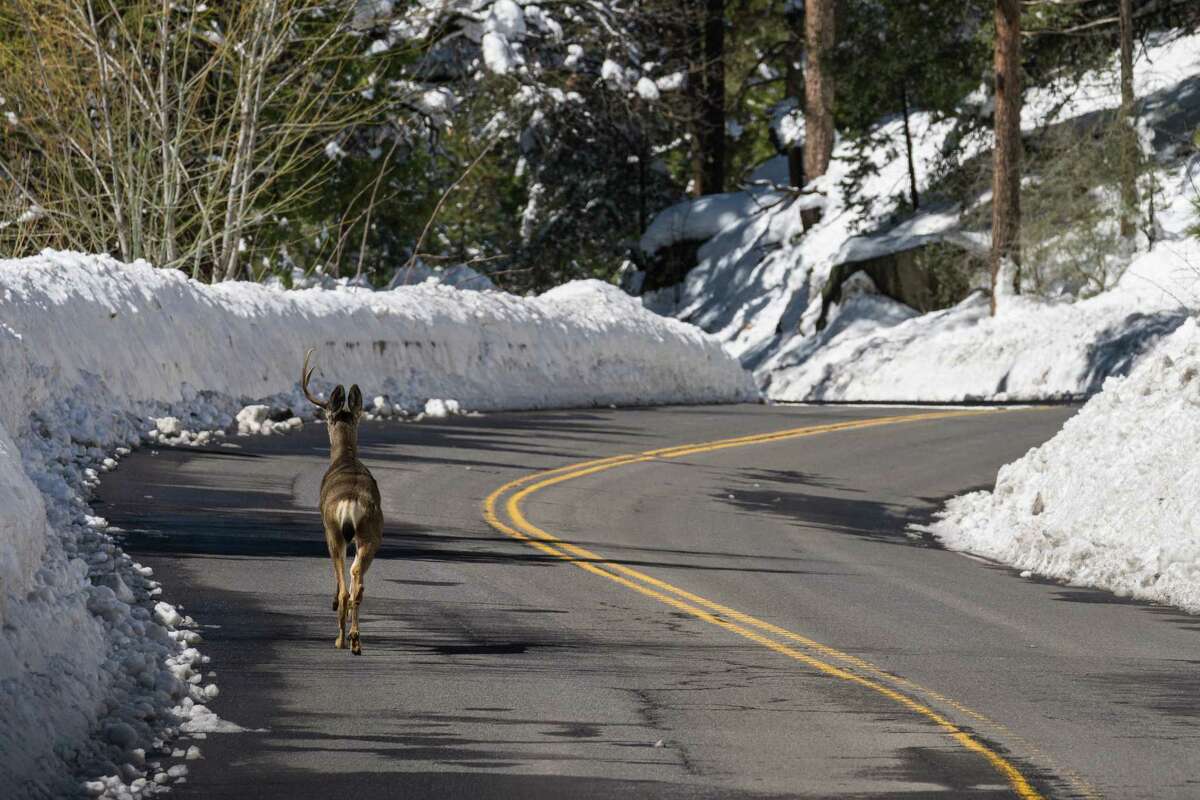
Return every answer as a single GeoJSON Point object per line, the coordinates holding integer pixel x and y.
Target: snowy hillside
{"type": "Point", "coordinates": [758, 279]}
{"type": "Point", "coordinates": [97, 357]}
{"type": "Point", "coordinates": [1111, 500]}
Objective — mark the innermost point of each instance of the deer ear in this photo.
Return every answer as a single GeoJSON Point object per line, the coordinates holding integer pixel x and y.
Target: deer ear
{"type": "Point", "coordinates": [354, 403]}
{"type": "Point", "coordinates": [337, 397]}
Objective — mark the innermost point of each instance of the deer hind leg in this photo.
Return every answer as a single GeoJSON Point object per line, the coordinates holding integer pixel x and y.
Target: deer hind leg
{"type": "Point", "coordinates": [365, 553]}
{"type": "Point", "coordinates": [341, 598]}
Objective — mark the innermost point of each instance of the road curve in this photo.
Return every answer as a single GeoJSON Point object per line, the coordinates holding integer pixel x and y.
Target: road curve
{"type": "Point", "coordinates": [800, 644]}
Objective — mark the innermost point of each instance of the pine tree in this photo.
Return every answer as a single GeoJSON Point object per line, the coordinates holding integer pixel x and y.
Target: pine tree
{"type": "Point", "coordinates": [1127, 122]}
{"type": "Point", "coordinates": [1006, 163]}
{"type": "Point", "coordinates": [708, 70]}
{"type": "Point", "coordinates": [819, 33]}
{"type": "Point", "coordinates": [925, 57]}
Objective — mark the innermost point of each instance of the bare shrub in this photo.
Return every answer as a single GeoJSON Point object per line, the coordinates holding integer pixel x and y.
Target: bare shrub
{"type": "Point", "coordinates": [171, 130]}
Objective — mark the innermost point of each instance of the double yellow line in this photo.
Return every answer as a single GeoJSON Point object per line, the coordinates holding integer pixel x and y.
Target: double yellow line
{"type": "Point", "coordinates": [513, 522]}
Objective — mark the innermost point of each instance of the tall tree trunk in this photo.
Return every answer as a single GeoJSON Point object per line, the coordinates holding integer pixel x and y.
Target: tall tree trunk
{"type": "Point", "coordinates": [1127, 123]}
{"type": "Point", "coordinates": [908, 151]}
{"type": "Point", "coordinates": [710, 111]}
{"type": "Point", "coordinates": [818, 94]}
{"type": "Point", "coordinates": [794, 86]}
{"type": "Point", "coordinates": [1006, 168]}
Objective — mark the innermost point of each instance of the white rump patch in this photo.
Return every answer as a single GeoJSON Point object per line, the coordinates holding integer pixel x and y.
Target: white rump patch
{"type": "Point", "coordinates": [350, 511]}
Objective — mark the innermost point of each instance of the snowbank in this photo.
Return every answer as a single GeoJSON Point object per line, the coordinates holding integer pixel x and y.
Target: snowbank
{"type": "Point", "coordinates": [757, 284]}
{"type": "Point", "coordinates": [96, 673]}
{"type": "Point", "coordinates": [1111, 500]}
{"type": "Point", "coordinates": [876, 349]}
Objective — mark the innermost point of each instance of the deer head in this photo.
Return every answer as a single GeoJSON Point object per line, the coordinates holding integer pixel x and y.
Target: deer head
{"type": "Point", "coordinates": [343, 410]}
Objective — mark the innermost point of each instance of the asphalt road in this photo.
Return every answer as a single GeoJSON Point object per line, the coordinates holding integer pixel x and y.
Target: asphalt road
{"type": "Point", "coordinates": [495, 669]}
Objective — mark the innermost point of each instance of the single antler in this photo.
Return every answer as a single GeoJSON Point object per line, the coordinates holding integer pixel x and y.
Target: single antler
{"type": "Point", "coordinates": [306, 373]}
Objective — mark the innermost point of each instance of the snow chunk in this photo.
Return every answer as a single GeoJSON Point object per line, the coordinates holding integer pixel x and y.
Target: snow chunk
{"type": "Point", "coordinates": [166, 614]}
{"type": "Point", "coordinates": [201, 719]}
{"type": "Point", "coordinates": [251, 418]}
{"type": "Point", "coordinates": [442, 408]}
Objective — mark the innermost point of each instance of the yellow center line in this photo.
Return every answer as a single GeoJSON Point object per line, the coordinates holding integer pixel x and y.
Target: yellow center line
{"type": "Point", "coordinates": [743, 624]}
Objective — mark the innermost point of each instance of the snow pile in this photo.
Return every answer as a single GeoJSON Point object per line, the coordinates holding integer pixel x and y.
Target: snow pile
{"type": "Point", "coordinates": [758, 279]}
{"type": "Point", "coordinates": [265, 420]}
{"type": "Point", "coordinates": [97, 674]}
{"type": "Point", "coordinates": [1111, 500]}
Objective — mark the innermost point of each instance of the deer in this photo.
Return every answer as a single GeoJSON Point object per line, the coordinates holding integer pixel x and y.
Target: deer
{"type": "Point", "coordinates": [350, 505]}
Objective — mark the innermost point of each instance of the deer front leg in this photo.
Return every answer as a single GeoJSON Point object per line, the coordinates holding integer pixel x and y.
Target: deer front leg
{"type": "Point", "coordinates": [365, 553]}
{"type": "Point", "coordinates": [337, 554]}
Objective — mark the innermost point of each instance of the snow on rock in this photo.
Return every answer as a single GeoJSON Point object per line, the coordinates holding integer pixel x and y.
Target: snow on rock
{"type": "Point", "coordinates": [98, 357]}
{"type": "Point", "coordinates": [703, 218]}
{"type": "Point", "coordinates": [1111, 500]}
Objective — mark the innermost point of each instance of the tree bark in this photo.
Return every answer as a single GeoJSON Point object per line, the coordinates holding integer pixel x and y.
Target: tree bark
{"type": "Point", "coordinates": [710, 99]}
{"type": "Point", "coordinates": [1006, 168]}
{"type": "Point", "coordinates": [913, 196]}
{"type": "Point", "coordinates": [1126, 123]}
{"type": "Point", "coordinates": [818, 94]}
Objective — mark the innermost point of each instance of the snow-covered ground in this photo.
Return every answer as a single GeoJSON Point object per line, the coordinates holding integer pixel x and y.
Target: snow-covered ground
{"type": "Point", "coordinates": [1111, 500]}
{"type": "Point", "coordinates": [97, 673]}
{"type": "Point", "coordinates": [875, 349]}
{"type": "Point", "coordinates": [758, 279]}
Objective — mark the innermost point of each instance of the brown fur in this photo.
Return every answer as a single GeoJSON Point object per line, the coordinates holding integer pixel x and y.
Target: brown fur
{"type": "Point", "coordinates": [348, 491]}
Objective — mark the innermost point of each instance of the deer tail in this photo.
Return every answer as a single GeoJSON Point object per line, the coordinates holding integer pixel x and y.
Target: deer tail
{"type": "Point", "coordinates": [349, 513]}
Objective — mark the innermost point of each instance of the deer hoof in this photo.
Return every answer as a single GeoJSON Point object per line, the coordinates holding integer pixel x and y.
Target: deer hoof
{"type": "Point", "coordinates": [339, 643]}
{"type": "Point", "coordinates": [355, 645]}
